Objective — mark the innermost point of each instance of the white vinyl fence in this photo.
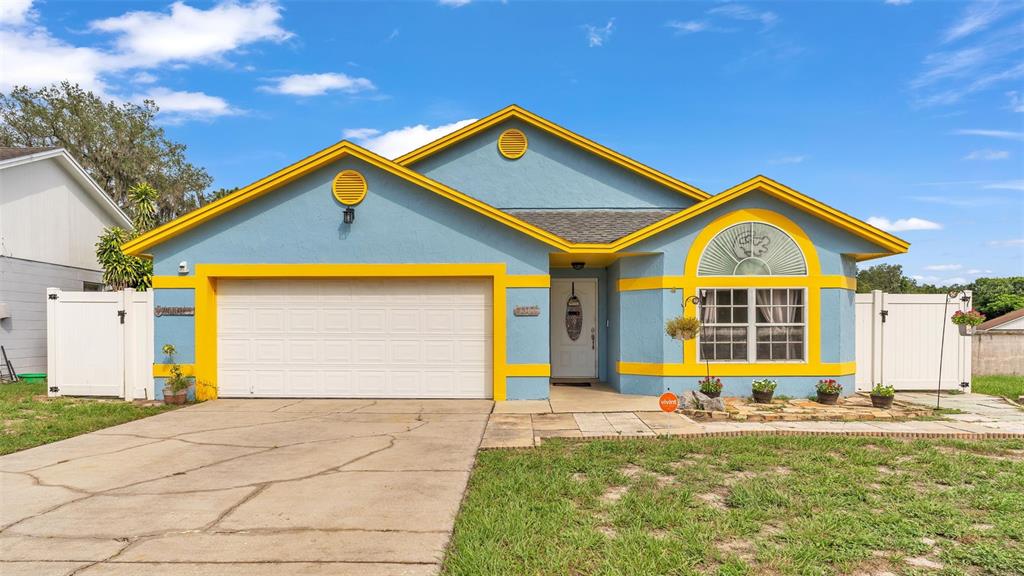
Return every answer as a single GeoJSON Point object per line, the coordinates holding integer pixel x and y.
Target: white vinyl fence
{"type": "Point", "coordinates": [99, 343]}
{"type": "Point", "coordinates": [899, 339]}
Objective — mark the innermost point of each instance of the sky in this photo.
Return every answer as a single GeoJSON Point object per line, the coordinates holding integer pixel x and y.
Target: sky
{"type": "Point", "coordinates": [907, 114]}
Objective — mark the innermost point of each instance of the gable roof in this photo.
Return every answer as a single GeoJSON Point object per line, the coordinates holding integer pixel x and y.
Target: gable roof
{"type": "Point", "coordinates": [1000, 320]}
{"type": "Point", "coordinates": [889, 243]}
{"type": "Point", "coordinates": [10, 157]}
{"type": "Point", "coordinates": [516, 112]}
{"type": "Point", "coordinates": [305, 166]}
{"type": "Point", "coordinates": [592, 226]}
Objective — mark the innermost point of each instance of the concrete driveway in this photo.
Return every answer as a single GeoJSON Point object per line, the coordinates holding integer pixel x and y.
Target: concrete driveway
{"type": "Point", "coordinates": [245, 487]}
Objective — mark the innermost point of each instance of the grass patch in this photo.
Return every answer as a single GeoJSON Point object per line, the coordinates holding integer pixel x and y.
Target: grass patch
{"type": "Point", "coordinates": [26, 421]}
{"type": "Point", "coordinates": [745, 505]}
{"type": "Point", "coordinates": [1009, 386]}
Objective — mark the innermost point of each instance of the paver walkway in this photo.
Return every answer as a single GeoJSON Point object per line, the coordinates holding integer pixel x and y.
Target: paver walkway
{"type": "Point", "coordinates": [245, 487]}
{"type": "Point", "coordinates": [984, 416]}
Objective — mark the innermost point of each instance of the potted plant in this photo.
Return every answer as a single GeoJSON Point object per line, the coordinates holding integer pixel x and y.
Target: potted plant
{"type": "Point", "coordinates": [710, 386]}
{"type": "Point", "coordinates": [966, 321]}
{"type": "Point", "coordinates": [828, 391]}
{"type": "Point", "coordinates": [682, 327]}
{"type": "Point", "coordinates": [176, 385]}
{"type": "Point", "coordinates": [881, 396]}
{"type": "Point", "coordinates": [764, 389]}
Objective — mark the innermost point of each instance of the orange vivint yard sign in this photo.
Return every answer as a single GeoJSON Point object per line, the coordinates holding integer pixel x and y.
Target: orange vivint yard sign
{"type": "Point", "coordinates": [668, 402]}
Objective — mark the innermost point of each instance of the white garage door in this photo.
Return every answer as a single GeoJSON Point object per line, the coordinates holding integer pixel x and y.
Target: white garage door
{"type": "Point", "coordinates": [351, 338]}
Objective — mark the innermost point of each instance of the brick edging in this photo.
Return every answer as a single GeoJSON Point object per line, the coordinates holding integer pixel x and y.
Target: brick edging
{"type": "Point", "coordinates": [738, 433]}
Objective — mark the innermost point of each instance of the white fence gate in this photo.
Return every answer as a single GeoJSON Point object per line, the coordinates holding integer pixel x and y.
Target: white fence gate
{"type": "Point", "coordinates": [899, 339]}
{"type": "Point", "coordinates": [99, 343]}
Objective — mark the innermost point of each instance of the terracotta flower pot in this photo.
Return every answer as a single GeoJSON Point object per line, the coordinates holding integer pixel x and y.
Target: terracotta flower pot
{"type": "Point", "coordinates": [884, 402]}
{"type": "Point", "coordinates": [763, 397]}
{"type": "Point", "coordinates": [829, 399]}
{"type": "Point", "coordinates": [171, 398]}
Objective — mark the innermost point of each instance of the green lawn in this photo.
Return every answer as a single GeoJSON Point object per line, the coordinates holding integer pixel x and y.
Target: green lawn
{"type": "Point", "coordinates": [27, 421]}
{"type": "Point", "coordinates": [745, 505]}
{"type": "Point", "coordinates": [1010, 386]}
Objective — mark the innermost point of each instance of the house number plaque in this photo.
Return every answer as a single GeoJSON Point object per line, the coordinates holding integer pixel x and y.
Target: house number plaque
{"type": "Point", "coordinates": [526, 310]}
{"type": "Point", "coordinates": [174, 311]}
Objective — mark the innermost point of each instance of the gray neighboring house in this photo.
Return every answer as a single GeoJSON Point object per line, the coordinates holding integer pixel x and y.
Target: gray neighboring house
{"type": "Point", "coordinates": [51, 215]}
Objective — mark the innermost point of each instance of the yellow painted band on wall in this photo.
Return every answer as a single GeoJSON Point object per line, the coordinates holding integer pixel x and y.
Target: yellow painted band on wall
{"type": "Point", "coordinates": [543, 370]}
{"type": "Point", "coordinates": [206, 277]}
{"type": "Point", "coordinates": [174, 281]}
{"type": "Point", "coordinates": [738, 369]}
{"type": "Point", "coordinates": [164, 370]}
{"type": "Point", "coordinates": [682, 282]}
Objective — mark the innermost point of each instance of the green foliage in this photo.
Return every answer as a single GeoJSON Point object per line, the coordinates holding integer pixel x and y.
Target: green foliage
{"type": "Point", "coordinates": [969, 318]}
{"type": "Point", "coordinates": [1001, 385]}
{"type": "Point", "coordinates": [177, 381]}
{"type": "Point", "coordinates": [764, 385]}
{"type": "Point", "coordinates": [710, 385]}
{"type": "Point", "coordinates": [218, 194]}
{"type": "Point", "coordinates": [881, 390]}
{"type": "Point", "coordinates": [121, 270]}
{"type": "Point", "coordinates": [682, 327]}
{"type": "Point", "coordinates": [992, 296]}
{"type": "Point", "coordinates": [829, 386]}
{"type": "Point", "coordinates": [118, 144]}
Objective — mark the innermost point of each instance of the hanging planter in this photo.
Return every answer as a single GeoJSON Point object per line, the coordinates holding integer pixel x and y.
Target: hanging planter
{"type": "Point", "coordinates": [682, 328]}
{"type": "Point", "coordinates": [967, 321]}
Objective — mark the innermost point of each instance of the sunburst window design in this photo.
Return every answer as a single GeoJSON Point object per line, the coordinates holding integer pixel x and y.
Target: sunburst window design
{"type": "Point", "coordinates": [752, 249]}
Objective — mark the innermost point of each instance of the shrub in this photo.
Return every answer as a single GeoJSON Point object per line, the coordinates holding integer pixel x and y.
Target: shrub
{"type": "Point", "coordinates": [764, 385]}
{"type": "Point", "coordinates": [710, 385]}
{"type": "Point", "coordinates": [880, 390]}
{"type": "Point", "coordinates": [829, 386]}
{"type": "Point", "coordinates": [682, 327]}
{"type": "Point", "coordinates": [970, 318]}
{"type": "Point", "coordinates": [176, 381]}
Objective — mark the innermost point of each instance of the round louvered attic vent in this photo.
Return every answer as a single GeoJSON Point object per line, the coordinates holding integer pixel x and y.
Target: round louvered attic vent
{"type": "Point", "coordinates": [512, 144]}
{"type": "Point", "coordinates": [349, 187]}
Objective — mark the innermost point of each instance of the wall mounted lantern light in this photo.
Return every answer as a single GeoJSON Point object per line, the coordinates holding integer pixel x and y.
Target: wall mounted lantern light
{"type": "Point", "coordinates": [350, 215]}
{"type": "Point", "coordinates": [349, 188]}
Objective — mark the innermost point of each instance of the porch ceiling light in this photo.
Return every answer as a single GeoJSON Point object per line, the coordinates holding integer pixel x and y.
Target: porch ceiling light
{"type": "Point", "coordinates": [578, 265]}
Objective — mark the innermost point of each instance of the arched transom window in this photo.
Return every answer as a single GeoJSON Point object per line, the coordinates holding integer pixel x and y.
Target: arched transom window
{"type": "Point", "coordinates": [752, 249]}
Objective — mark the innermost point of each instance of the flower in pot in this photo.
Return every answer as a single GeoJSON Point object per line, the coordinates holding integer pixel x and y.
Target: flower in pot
{"type": "Point", "coordinates": [764, 389]}
{"type": "Point", "coordinates": [176, 385]}
{"type": "Point", "coordinates": [881, 396]}
{"type": "Point", "coordinates": [710, 386]}
{"type": "Point", "coordinates": [966, 321]}
{"type": "Point", "coordinates": [828, 391]}
{"type": "Point", "coordinates": [682, 327]}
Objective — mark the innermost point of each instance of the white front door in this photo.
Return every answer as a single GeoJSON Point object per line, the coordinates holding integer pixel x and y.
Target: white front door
{"type": "Point", "coordinates": [573, 357]}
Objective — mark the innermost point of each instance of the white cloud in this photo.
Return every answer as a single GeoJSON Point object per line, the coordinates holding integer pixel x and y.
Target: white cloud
{"type": "Point", "coordinates": [977, 17]}
{"type": "Point", "coordinates": [177, 106]}
{"type": "Point", "coordinates": [454, 3]}
{"type": "Point", "coordinates": [688, 26]}
{"type": "Point", "coordinates": [943, 267]}
{"type": "Point", "coordinates": [897, 2]}
{"type": "Point", "coordinates": [1016, 101]}
{"type": "Point", "coordinates": [741, 12]}
{"type": "Point", "coordinates": [795, 159]}
{"type": "Point", "coordinates": [34, 58]}
{"type": "Point", "coordinates": [1006, 185]}
{"type": "Point", "coordinates": [987, 154]}
{"type": "Point", "coordinates": [598, 35]}
{"type": "Point", "coordinates": [318, 84]}
{"type": "Point", "coordinates": [394, 143]}
{"type": "Point", "coordinates": [1004, 134]}
{"type": "Point", "coordinates": [144, 78]}
{"type": "Point", "coordinates": [903, 224]}
{"type": "Point", "coordinates": [978, 271]}
{"type": "Point", "coordinates": [1010, 242]}
{"type": "Point", "coordinates": [15, 12]}
{"type": "Point", "coordinates": [147, 39]}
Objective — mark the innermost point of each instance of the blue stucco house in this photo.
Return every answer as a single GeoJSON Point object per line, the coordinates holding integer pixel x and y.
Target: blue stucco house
{"type": "Point", "coordinates": [500, 258]}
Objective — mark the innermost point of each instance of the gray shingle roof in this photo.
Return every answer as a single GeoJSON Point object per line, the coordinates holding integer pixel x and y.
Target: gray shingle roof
{"type": "Point", "coordinates": [6, 153]}
{"type": "Point", "coordinates": [592, 226]}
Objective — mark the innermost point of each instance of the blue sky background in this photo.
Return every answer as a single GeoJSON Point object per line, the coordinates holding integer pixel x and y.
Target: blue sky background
{"type": "Point", "coordinates": [910, 113]}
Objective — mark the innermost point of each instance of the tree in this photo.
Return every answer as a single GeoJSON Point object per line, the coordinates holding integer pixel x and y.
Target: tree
{"type": "Point", "coordinates": [218, 194]}
{"type": "Point", "coordinates": [118, 144]}
{"type": "Point", "coordinates": [885, 277]}
{"type": "Point", "coordinates": [991, 296]}
{"type": "Point", "coordinates": [997, 296]}
{"type": "Point", "coordinates": [121, 270]}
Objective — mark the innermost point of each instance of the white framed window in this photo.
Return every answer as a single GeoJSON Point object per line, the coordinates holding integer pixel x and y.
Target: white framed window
{"type": "Point", "coordinates": [752, 249]}
{"type": "Point", "coordinates": [753, 325]}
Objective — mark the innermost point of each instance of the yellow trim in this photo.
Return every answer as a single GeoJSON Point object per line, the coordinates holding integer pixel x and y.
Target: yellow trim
{"type": "Point", "coordinates": [164, 370]}
{"type": "Point", "coordinates": [174, 281]}
{"type": "Point", "coordinates": [528, 281]}
{"type": "Point", "coordinates": [543, 370]}
{"type": "Point", "coordinates": [738, 369]}
{"type": "Point", "coordinates": [514, 111]}
{"type": "Point", "coordinates": [349, 187]}
{"type": "Point", "coordinates": [207, 275]}
{"type": "Point", "coordinates": [509, 141]}
{"type": "Point", "coordinates": [681, 282]}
